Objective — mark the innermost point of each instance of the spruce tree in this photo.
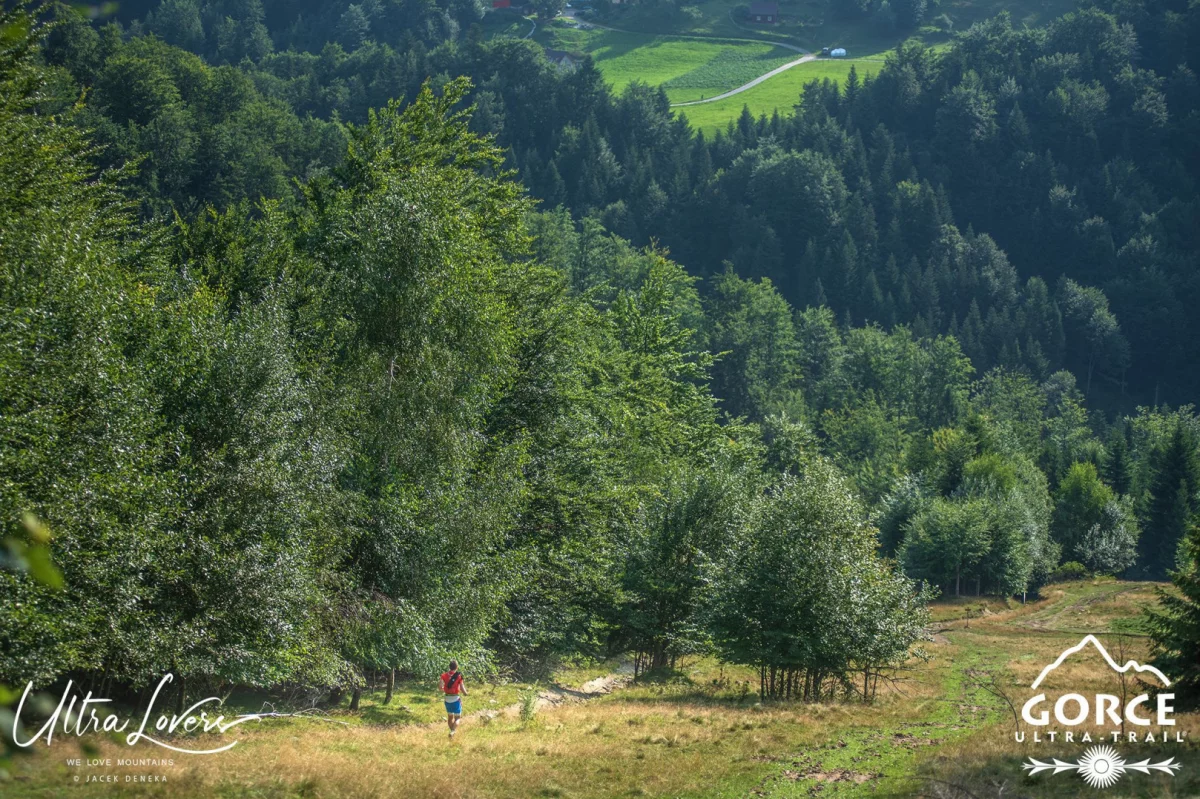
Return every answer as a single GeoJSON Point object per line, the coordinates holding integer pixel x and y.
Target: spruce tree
{"type": "Point", "coordinates": [1118, 469]}
{"type": "Point", "coordinates": [1172, 501]}
{"type": "Point", "coordinates": [1175, 629]}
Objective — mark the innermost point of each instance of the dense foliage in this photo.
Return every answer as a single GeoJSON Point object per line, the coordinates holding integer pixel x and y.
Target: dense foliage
{"type": "Point", "coordinates": [1175, 626]}
{"type": "Point", "coordinates": [1032, 192]}
{"type": "Point", "coordinates": [304, 383]}
{"type": "Point", "coordinates": [363, 429]}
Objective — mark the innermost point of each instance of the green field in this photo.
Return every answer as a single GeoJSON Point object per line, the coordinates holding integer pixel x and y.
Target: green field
{"type": "Point", "coordinates": [698, 50]}
{"type": "Point", "coordinates": [693, 69]}
{"type": "Point", "coordinates": [690, 69]}
{"type": "Point", "coordinates": [781, 92]}
{"type": "Point", "coordinates": [699, 731]}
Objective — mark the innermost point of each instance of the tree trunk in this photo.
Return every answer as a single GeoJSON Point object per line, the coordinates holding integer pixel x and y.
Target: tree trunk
{"type": "Point", "coordinates": [354, 697]}
{"type": "Point", "coordinates": [391, 684]}
{"type": "Point", "coordinates": [957, 580]}
{"type": "Point", "coordinates": [179, 697]}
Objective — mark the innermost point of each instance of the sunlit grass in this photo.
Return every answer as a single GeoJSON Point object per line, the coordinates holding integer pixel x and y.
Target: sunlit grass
{"type": "Point", "coordinates": [781, 92]}
{"type": "Point", "coordinates": [700, 67]}
{"type": "Point", "coordinates": [654, 739]}
{"type": "Point", "coordinates": [809, 24]}
{"type": "Point", "coordinates": [698, 731]}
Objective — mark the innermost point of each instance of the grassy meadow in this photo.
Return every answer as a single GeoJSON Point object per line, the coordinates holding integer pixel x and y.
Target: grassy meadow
{"type": "Point", "coordinates": [690, 69]}
{"type": "Point", "coordinates": [699, 50]}
{"type": "Point", "coordinates": [779, 93]}
{"type": "Point", "coordinates": [941, 729]}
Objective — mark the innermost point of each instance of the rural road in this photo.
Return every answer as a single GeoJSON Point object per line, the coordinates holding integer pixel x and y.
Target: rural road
{"type": "Point", "coordinates": [806, 56]}
{"type": "Point", "coordinates": [751, 84]}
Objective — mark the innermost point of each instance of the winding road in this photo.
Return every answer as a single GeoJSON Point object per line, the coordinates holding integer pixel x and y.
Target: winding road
{"type": "Point", "coordinates": [805, 55]}
{"type": "Point", "coordinates": [751, 84]}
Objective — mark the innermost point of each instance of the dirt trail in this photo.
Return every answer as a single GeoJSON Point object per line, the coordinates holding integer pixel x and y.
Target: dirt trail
{"type": "Point", "coordinates": [1056, 617]}
{"type": "Point", "coordinates": [557, 695]}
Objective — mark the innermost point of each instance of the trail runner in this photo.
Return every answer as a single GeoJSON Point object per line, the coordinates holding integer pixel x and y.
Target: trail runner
{"type": "Point", "coordinates": [453, 690]}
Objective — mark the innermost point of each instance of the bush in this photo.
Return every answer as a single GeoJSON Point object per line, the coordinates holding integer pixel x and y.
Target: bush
{"type": "Point", "coordinates": [1071, 570]}
{"type": "Point", "coordinates": [529, 700]}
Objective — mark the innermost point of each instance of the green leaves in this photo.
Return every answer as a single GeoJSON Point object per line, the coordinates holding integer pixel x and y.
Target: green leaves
{"type": "Point", "coordinates": [32, 555]}
{"type": "Point", "coordinates": [1079, 505]}
{"type": "Point", "coordinates": [1175, 627]}
{"type": "Point", "coordinates": [800, 587]}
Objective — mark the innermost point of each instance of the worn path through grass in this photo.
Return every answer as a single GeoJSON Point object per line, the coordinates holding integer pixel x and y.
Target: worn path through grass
{"type": "Point", "coordinates": [699, 733]}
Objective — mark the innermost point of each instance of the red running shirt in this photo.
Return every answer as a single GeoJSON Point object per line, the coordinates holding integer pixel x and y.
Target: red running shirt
{"type": "Point", "coordinates": [451, 683]}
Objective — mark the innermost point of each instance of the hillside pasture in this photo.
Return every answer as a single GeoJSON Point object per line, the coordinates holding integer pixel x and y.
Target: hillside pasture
{"type": "Point", "coordinates": [691, 69]}
{"type": "Point", "coordinates": [688, 68]}
{"type": "Point", "coordinates": [805, 23]}
{"type": "Point", "coordinates": [700, 731]}
{"type": "Point", "coordinates": [781, 92]}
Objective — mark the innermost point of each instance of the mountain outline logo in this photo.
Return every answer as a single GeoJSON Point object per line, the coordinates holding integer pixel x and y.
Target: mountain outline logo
{"type": "Point", "coordinates": [1100, 766]}
{"type": "Point", "coordinates": [1091, 639]}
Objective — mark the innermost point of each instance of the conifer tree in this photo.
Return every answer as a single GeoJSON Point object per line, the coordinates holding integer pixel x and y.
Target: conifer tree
{"type": "Point", "coordinates": [1175, 629]}
{"type": "Point", "coordinates": [1172, 501]}
{"type": "Point", "coordinates": [1117, 465]}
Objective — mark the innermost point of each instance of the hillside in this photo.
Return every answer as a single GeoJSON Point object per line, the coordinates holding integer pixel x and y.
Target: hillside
{"type": "Point", "coordinates": [695, 732]}
{"type": "Point", "coordinates": [344, 345]}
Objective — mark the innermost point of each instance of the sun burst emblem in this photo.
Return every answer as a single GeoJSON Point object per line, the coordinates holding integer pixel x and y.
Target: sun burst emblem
{"type": "Point", "coordinates": [1102, 766]}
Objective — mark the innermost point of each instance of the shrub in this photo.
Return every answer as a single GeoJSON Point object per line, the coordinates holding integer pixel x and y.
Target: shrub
{"type": "Point", "coordinates": [528, 700]}
{"type": "Point", "coordinates": [1071, 570]}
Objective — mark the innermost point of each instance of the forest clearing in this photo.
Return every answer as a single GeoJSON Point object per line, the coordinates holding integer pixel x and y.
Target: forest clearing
{"type": "Point", "coordinates": [699, 731]}
{"type": "Point", "coordinates": [835, 438]}
{"type": "Point", "coordinates": [700, 50]}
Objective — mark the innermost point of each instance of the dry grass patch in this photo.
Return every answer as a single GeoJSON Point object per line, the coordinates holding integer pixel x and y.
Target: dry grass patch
{"type": "Point", "coordinates": [698, 732]}
{"type": "Point", "coordinates": [606, 747]}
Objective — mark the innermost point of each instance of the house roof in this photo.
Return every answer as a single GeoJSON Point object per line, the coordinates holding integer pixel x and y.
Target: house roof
{"type": "Point", "coordinates": [764, 8]}
{"type": "Point", "coordinates": [563, 56]}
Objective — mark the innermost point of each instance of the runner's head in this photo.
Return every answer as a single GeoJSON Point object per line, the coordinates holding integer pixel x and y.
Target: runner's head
{"type": "Point", "coordinates": [453, 666]}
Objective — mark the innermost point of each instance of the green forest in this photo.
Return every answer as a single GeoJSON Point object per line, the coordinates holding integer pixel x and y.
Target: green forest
{"type": "Point", "coordinates": [339, 338]}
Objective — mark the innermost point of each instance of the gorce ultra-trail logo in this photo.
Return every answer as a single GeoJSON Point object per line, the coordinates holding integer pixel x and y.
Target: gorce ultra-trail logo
{"type": "Point", "coordinates": [1102, 720]}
